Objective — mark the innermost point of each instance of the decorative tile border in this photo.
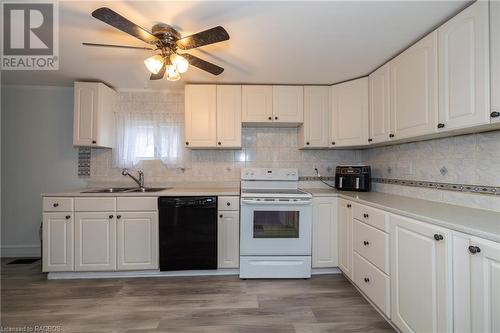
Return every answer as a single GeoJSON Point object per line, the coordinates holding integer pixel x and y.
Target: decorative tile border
{"type": "Point", "coordinates": [316, 178]}
{"type": "Point", "coordinates": [83, 162]}
{"type": "Point", "coordinates": [478, 189]}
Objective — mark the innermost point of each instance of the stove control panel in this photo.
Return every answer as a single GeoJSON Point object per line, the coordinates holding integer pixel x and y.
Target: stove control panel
{"type": "Point", "coordinates": [270, 174]}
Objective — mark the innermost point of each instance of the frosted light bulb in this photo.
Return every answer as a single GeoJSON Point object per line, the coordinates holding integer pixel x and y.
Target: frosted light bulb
{"type": "Point", "coordinates": [154, 63]}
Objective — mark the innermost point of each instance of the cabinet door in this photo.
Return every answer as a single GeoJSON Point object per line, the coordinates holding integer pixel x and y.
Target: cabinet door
{"type": "Point", "coordinates": [379, 105]}
{"type": "Point", "coordinates": [200, 116]}
{"type": "Point", "coordinates": [495, 59]}
{"type": "Point", "coordinates": [229, 116]}
{"type": "Point", "coordinates": [345, 237]}
{"type": "Point", "coordinates": [314, 133]}
{"type": "Point", "coordinates": [414, 104]}
{"type": "Point", "coordinates": [464, 95]}
{"type": "Point", "coordinates": [85, 113]}
{"type": "Point", "coordinates": [137, 240]}
{"type": "Point", "coordinates": [350, 113]}
{"type": "Point", "coordinates": [257, 104]}
{"type": "Point", "coordinates": [476, 282]}
{"type": "Point", "coordinates": [95, 241]}
{"type": "Point", "coordinates": [420, 274]}
{"type": "Point", "coordinates": [324, 242]}
{"type": "Point", "coordinates": [228, 239]}
{"type": "Point", "coordinates": [57, 242]}
{"type": "Point", "coordinates": [288, 104]}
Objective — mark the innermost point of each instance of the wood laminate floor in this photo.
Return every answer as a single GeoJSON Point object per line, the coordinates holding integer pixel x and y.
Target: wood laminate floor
{"type": "Point", "coordinates": [325, 303]}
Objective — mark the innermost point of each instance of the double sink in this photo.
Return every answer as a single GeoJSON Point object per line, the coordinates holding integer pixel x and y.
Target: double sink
{"type": "Point", "coordinates": [126, 189]}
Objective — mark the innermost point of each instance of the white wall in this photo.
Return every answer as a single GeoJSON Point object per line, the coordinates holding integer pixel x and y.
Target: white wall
{"type": "Point", "coordinates": [37, 156]}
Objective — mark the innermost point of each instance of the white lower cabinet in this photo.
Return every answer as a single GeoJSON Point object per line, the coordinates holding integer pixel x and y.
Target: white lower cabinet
{"type": "Point", "coordinates": [95, 241]}
{"type": "Point", "coordinates": [228, 244]}
{"type": "Point", "coordinates": [345, 236]}
{"type": "Point", "coordinates": [324, 232]}
{"type": "Point", "coordinates": [137, 240]}
{"type": "Point", "coordinates": [58, 242]}
{"type": "Point", "coordinates": [476, 284]}
{"type": "Point", "coordinates": [420, 276]}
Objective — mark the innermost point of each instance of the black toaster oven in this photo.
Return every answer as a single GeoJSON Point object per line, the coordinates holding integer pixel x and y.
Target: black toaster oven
{"type": "Point", "coordinates": [353, 178]}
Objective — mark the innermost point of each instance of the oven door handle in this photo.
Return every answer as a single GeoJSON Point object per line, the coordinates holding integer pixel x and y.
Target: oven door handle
{"type": "Point", "coordinates": [277, 202]}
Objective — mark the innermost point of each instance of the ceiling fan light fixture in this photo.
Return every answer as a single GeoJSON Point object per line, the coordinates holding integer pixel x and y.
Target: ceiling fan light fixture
{"type": "Point", "coordinates": [179, 62]}
{"type": "Point", "coordinates": [172, 73]}
{"type": "Point", "coordinates": [154, 63]}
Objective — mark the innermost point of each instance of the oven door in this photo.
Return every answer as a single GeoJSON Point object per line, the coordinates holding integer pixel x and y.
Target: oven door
{"type": "Point", "coordinates": [276, 226]}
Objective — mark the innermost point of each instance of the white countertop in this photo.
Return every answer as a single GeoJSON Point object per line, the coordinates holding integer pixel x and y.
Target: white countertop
{"type": "Point", "coordinates": [477, 222]}
{"type": "Point", "coordinates": [170, 192]}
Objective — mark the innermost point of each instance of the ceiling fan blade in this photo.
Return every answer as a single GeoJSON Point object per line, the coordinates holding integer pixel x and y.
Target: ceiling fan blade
{"type": "Point", "coordinates": [119, 46]}
{"type": "Point", "coordinates": [210, 36]}
{"type": "Point", "coordinates": [121, 23]}
{"type": "Point", "coordinates": [160, 74]}
{"type": "Point", "coordinates": [202, 64]}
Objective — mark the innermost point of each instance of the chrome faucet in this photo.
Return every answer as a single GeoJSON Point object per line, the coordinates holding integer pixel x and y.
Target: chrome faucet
{"type": "Point", "coordinates": [139, 181]}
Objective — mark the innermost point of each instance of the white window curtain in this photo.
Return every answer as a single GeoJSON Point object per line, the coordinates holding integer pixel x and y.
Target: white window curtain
{"type": "Point", "coordinates": [149, 131]}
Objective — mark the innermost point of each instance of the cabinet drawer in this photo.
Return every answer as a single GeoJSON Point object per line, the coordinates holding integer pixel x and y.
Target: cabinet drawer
{"type": "Point", "coordinates": [57, 204]}
{"type": "Point", "coordinates": [130, 204]}
{"type": "Point", "coordinates": [228, 203]}
{"type": "Point", "coordinates": [372, 244]}
{"type": "Point", "coordinates": [95, 204]}
{"type": "Point", "coordinates": [374, 217]}
{"type": "Point", "coordinates": [373, 283]}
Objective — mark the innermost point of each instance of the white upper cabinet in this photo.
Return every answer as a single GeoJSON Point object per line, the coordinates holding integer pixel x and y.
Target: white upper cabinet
{"type": "Point", "coordinates": [315, 132]}
{"type": "Point", "coordinates": [201, 116]}
{"type": "Point", "coordinates": [324, 231]}
{"type": "Point", "coordinates": [257, 104]}
{"type": "Point", "coordinates": [464, 94]}
{"type": "Point", "coordinates": [476, 282]}
{"type": "Point", "coordinates": [420, 275]}
{"type": "Point", "coordinates": [495, 59]}
{"type": "Point", "coordinates": [93, 120]}
{"type": "Point", "coordinates": [349, 121]}
{"type": "Point", "coordinates": [414, 104]}
{"type": "Point", "coordinates": [288, 104]}
{"type": "Point", "coordinates": [229, 116]}
{"type": "Point", "coordinates": [380, 122]}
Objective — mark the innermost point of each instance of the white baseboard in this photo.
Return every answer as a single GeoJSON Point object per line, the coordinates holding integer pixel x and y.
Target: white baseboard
{"type": "Point", "coordinates": [20, 251]}
{"type": "Point", "coordinates": [331, 270]}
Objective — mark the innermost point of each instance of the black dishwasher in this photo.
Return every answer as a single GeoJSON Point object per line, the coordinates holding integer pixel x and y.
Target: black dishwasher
{"type": "Point", "coordinates": [188, 233]}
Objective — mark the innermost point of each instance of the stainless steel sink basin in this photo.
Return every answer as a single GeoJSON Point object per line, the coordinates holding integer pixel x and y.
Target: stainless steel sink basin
{"type": "Point", "coordinates": [126, 189]}
{"type": "Point", "coordinates": [109, 190]}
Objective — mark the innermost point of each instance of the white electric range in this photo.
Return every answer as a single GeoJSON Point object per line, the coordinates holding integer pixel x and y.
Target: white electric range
{"type": "Point", "coordinates": [276, 223]}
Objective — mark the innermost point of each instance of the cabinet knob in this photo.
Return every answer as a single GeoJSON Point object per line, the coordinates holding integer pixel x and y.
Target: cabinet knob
{"type": "Point", "coordinates": [228, 203]}
{"type": "Point", "coordinates": [221, 216]}
{"type": "Point", "coordinates": [219, 143]}
{"type": "Point", "coordinates": [307, 143]}
{"type": "Point", "coordinates": [55, 204]}
{"type": "Point", "coordinates": [367, 280]}
{"type": "Point", "coordinates": [474, 249]}
{"type": "Point", "coordinates": [495, 114]}
{"type": "Point", "coordinates": [366, 216]}
{"type": "Point", "coordinates": [67, 217]}
{"type": "Point", "coordinates": [333, 143]}
{"type": "Point", "coordinates": [440, 125]}
{"type": "Point", "coordinates": [391, 135]}
{"type": "Point", "coordinates": [94, 142]}
{"type": "Point", "coordinates": [370, 140]}
{"type": "Point", "coordinates": [438, 237]}
{"type": "Point", "coordinates": [118, 216]}
{"type": "Point", "coordinates": [348, 205]}
{"type": "Point", "coordinates": [366, 243]}
{"type": "Point", "coordinates": [110, 216]}
{"type": "Point", "coordinates": [275, 118]}
{"type": "Point", "coordinates": [270, 118]}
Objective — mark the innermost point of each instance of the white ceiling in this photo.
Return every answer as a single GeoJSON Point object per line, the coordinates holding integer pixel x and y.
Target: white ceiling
{"type": "Point", "coordinates": [301, 42]}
